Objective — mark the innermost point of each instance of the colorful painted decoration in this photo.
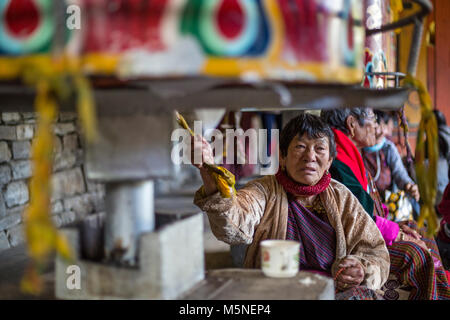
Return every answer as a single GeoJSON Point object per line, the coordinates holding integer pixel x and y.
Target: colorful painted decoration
{"type": "Point", "coordinates": [294, 40]}
{"type": "Point", "coordinates": [380, 52]}
{"type": "Point", "coordinates": [27, 26]}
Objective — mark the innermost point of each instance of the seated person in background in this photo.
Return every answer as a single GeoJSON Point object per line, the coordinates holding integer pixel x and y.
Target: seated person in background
{"type": "Point", "coordinates": [444, 154]}
{"type": "Point", "coordinates": [384, 163]}
{"type": "Point", "coordinates": [443, 237]}
{"type": "Point", "coordinates": [415, 259]}
{"type": "Point", "coordinates": [302, 203]}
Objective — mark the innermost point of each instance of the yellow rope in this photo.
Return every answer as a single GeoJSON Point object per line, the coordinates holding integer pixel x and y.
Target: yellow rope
{"type": "Point", "coordinates": [52, 82]}
{"type": "Point", "coordinates": [427, 137]}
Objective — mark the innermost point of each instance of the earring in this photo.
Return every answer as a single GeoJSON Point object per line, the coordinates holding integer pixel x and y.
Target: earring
{"type": "Point", "coordinates": [327, 172]}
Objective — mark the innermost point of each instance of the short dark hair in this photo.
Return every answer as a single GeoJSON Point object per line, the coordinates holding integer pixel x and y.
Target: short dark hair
{"type": "Point", "coordinates": [382, 116]}
{"type": "Point", "coordinates": [336, 118]}
{"type": "Point", "coordinates": [308, 124]}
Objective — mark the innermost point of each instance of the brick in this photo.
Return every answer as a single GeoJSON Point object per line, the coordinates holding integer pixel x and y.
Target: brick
{"type": "Point", "coordinates": [21, 149]}
{"type": "Point", "coordinates": [25, 131]}
{"type": "Point", "coordinates": [8, 133]}
{"type": "Point", "coordinates": [16, 194]}
{"type": "Point", "coordinates": [67, 183]}
{"type": "Point", "coordinates": [5, 153]}
{"type": "Point", "coordinates": [16, 236]}
{"type": "Point", "coordinates": [70, 142]}
{"type": "Point", "coordinates": [4, 243]}
{"type": "Point", "coordinates": [21, 169]}
{"type": "Point", "coordinates": [64, 128]}
{"type": "Point", "coordinates": [5, 174]}
{"type": "Point", "coordinates": [11, 117]}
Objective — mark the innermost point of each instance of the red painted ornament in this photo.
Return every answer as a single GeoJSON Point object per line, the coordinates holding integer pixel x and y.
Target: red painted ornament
{"type": "Point", "coordinates": [230, 18]}
{"type": "Point", "coordinates": [21, 18]}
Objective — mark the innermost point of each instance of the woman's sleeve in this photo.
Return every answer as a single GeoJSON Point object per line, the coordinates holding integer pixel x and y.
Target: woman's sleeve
{"type": "Point", "coordinates": [364, 242]}
{"type": "Point", "coordinates": [233, 220]}
{"type": "Point", "coordinates": [389, 229]}
{"type": "Point", "coordinates": [395, 163]}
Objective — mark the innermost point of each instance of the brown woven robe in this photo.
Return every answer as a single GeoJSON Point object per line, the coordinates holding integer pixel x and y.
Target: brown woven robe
{"type": "Point", "coordinates": [259, 211]}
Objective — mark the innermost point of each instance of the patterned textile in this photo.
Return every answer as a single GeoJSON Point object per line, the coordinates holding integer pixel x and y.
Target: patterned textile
{"type": "Point", "coordinates": [418, 270]}
{"type": "Point", "coordinates": [358, 293]}
{"type": "Point", "coordinates": [316, 235]}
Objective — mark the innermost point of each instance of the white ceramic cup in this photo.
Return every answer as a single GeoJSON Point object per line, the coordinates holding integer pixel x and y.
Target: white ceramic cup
{"type": "Point", "coordinates": [280, 258]}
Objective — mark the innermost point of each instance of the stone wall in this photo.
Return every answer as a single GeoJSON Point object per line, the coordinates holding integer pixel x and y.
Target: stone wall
{"type": "Point", "coordinates": [73, 196]}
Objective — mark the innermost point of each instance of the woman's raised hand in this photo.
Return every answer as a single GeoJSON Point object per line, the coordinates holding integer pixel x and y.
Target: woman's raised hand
{"type": "Point", "coordinates": [200, 146]}
{"type": "Point", "coordinates": [352, 275]}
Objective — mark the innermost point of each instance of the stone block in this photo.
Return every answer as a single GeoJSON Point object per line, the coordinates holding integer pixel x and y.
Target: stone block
{"type": "Point", "coordinates": [4, 243]}
{"type": "Point", "coordinates": [64, 128]}
{"type": "Point", "coordinates": [5, 174]}
{"type": "Point", "coordinates": [70, 142]}
{"type": "Point", "coordinates": [8, 133]}
{"type": "Point", "coordinates": [57, 222]}
{"type": "Point", "coordinates": [25, 131]}
{"type": "Point", "coordinates": [16, 193]}
{"type": "Point", "coordinates": [21, 150]}
{"type": "Point", "coordinates": [5, 153]}
{"type": "Point", "coordinates": [67, 183]}
{"type": "Point", "coordinates": [82, 205]}
{"type": "Point", "coordinates": [67, 116]}
{"type": "Point", "coordinates": [57, 145]}
{"type": "Point", "coordinates": [12, 219]}
{"type": "Point", "coordinates": [21, 169]}
{"type": "Point", "coordinates": [11, 117]}
{"type": "Point", "coordinates": [57, 207]}
{"type": "Point", "coordinates": [171, 262]}
{"type": "Point", "coordinates": [64, 160]}
{"type": "Point", "coordinates": [67, 217]}
{"type": "Point", "coordinates": [16, 235]}
{"type": "Point", "coordinates": [29, 115]}
{"type": "Point", "coordinates": [2, 206]}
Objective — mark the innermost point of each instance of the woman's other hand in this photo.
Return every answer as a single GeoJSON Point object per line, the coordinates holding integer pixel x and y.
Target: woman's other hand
{"type": "Point", "coordinates": [412, 236]}
{"type": "Point", "coordinates": [351, 276]}
{"type": "Point", "coordinates": [413, 191]}
{"type": "Point", "coordinates": [408, 230]}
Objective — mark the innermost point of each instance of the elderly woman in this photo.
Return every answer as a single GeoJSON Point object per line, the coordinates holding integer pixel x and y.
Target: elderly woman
{"type": "Point", "coordinates": [415, 260]}
{"type": "Point", "coordinates": [301, 202]}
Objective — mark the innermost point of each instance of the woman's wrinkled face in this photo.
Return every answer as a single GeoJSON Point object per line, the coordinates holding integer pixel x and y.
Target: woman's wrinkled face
{"type": "Point", "coordinates": [307, 159]}
{"type": "Point", "coordinates": [365, 135]}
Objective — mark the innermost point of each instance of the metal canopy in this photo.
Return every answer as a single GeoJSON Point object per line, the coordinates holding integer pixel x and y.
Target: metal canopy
{"type": "Point", "coordinates": [144, 97]}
